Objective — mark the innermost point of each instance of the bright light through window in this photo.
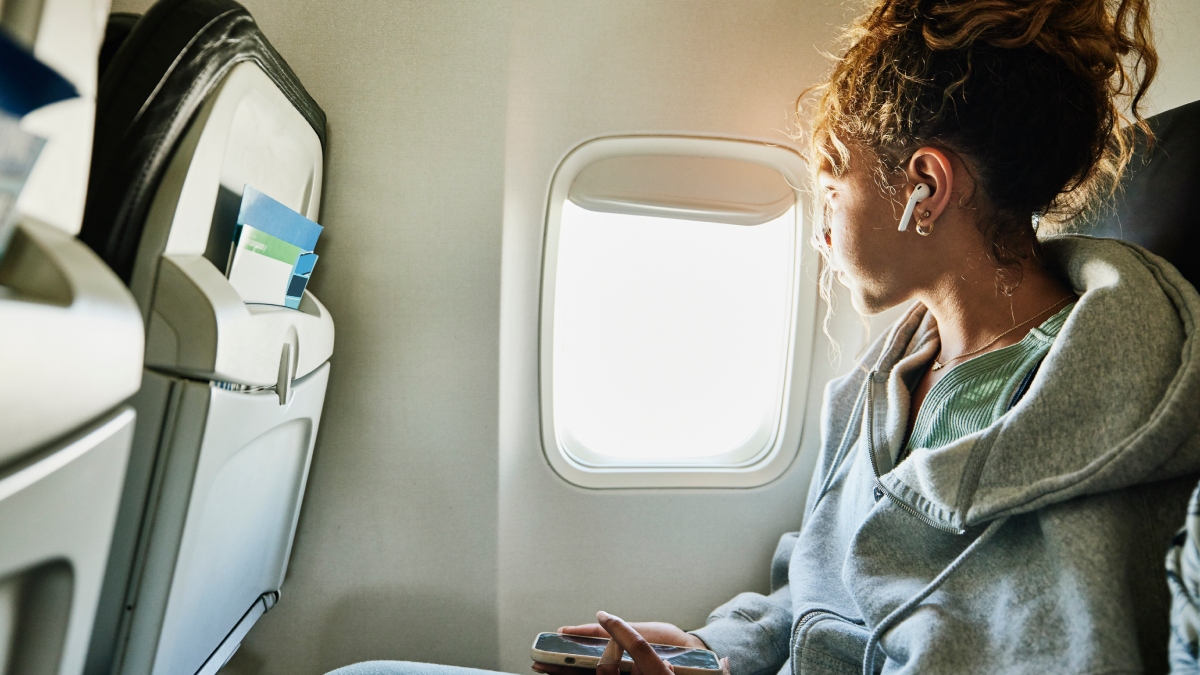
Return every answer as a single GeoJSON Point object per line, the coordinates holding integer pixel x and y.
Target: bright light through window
{"type": "Point", "coordinates": [670, 337]}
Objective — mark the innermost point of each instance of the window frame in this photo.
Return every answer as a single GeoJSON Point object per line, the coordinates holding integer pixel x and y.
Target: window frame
{"type": "Point", "coordinates": [784, 446]}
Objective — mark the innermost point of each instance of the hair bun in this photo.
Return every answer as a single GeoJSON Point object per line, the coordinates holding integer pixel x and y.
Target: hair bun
{"type": "Point", "coordinates": [1086, 34]}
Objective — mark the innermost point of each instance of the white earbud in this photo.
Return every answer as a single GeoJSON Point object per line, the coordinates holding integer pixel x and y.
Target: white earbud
{"type": "Point", "coordinates": [919, 194]}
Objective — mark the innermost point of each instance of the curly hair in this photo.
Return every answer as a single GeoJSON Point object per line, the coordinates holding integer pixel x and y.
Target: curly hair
{"type": "Point", "coordinates": [1032, 94]}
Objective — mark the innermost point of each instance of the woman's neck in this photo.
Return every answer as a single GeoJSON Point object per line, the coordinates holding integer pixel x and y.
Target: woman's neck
{"type": "Point", "coordinates": [971, 311]}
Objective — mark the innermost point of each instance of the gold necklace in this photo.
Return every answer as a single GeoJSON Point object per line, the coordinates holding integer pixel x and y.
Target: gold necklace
{"type": "Point", "coordinates": [938, 365]}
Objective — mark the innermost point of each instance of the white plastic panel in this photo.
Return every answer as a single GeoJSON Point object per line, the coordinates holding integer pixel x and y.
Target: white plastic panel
{"type": "Point", "coordinates": [57, 511]}
{"type": "Point", "coordinates": [228, 648]}
{"type": "Point", "coordinates": [781, 430]}
{"type": "Point", "coordinates": [230, 497]}
{"type": "Point", "coordinates": [68, 40]}
{"type": "Point", "coordinates": [247, 132]}
{"type": "Point", "coordinates": [35, 606]}
{"type": "Point", "coordinates": [200, 327]}
{"type": "Point", "coordinates": [714, 189]}
{"type": "Point", "coordinates": [151, 403]}
{"type": "Point", "coordinates": [56, 188]}
{"type": "Point", "coordinates": [71, 346]}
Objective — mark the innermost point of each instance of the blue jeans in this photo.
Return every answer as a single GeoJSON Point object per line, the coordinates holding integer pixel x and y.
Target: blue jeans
{"type": "Point", "coordinates": [406, 668]}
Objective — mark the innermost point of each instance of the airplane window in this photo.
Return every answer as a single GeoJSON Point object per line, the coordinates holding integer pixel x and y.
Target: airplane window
{"type": "Point", "coordinates": [670, 337]}
{"type": "Point", "coordinates": [677, 313]}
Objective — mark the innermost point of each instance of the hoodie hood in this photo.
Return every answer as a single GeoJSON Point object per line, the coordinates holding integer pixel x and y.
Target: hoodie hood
{"type": "Point", "coordinates": [1115, 403]}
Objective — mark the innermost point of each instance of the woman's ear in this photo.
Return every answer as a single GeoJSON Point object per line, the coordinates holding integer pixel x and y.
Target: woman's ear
{"type": "Point", "coordinates": [933, 168]}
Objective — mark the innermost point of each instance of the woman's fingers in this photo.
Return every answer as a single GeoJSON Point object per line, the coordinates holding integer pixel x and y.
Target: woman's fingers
{"type": "Point", "coordinates": [725, 665]}
{"type": "Point", "coordinates": [588, 629]}
{"type": "Point", "coordinates": [610, 660]}
{"type": "Point", "coordinates": [637, 670]}
{"type": "Point", "coordinates": [646, 661]}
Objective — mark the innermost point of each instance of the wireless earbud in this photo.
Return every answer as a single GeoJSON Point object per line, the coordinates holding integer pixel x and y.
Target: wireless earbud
{"type": "Point", "coordinates": [919, 194]}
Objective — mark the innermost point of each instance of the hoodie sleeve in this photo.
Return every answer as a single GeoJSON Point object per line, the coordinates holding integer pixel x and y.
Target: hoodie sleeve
{"type": "Point", "coordinates": [1183, 577]}
{"type": "Point", "coordinates": [752, 629]}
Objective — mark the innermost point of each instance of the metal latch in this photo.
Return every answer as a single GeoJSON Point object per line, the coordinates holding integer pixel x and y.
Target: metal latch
{"type": "Point", "coordinates": [287, 373]}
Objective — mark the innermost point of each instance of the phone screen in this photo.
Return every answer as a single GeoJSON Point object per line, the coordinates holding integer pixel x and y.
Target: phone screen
{"type": "Point", "coordinates": [589, 646]}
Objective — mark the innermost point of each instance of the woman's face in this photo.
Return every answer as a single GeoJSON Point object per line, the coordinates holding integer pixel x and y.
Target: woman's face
{"type": "Point", "coordinates": [878, 263]}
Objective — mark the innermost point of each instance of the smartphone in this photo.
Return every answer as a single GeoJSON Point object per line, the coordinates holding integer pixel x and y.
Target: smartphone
{"type": "Point", "coordinates": [584, 652]}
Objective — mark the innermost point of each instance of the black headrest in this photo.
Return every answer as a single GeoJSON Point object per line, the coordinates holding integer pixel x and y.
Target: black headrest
{"type": "Point", "coordinates": [1159, 205]}
{"type": "Point", "coordinates": [163, 72]}
{"type": "Point", "coordinates": [120, 24]}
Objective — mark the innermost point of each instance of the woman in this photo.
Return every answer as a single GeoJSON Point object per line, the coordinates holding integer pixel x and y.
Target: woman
{"type": "Point", "coordinates": [1000, 478]}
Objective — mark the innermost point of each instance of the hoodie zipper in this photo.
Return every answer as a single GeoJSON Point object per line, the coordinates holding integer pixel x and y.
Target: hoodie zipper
{"type": "Point", "coordinates": [804, 620]}
{"type": "Point", "coordinates": [808, 616]}
{"type": "Point", "coordinates": [796, 634]}
{"type": "Point", "coordinates": [869, 414]}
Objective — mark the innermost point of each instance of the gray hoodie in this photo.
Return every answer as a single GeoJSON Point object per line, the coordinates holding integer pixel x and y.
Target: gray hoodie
{"type": "Point", "coordinates": [1032, 546]}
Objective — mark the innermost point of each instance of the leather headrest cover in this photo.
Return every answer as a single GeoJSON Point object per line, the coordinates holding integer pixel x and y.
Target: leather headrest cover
{"type": "Point", "coordinates": [1159, 206]}
{"type": "Point", "coordinates": [120, 24]}
{"type": "Point", "coordinates": [157, 81]}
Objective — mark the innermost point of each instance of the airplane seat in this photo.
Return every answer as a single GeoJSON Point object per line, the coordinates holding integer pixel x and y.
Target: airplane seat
{"type": "Point", "coordinates": [71, 345]}
{"type": "Point", "coordinates": [120, 24]}
{"type": "Point", "coordinates": [1155, 208]}
{"type": "Point", "coordinates": [194, 106]}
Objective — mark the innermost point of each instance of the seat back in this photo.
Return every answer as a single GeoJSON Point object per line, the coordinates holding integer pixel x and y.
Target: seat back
{"type": "Point", "coordinates": [194, 106]}
{"type": "Point", "coordinates": [71, 346]}
{"type": "Point", "coordinates": [165, 70]}
{"type": "Point", "coordinates": [1156, 206]}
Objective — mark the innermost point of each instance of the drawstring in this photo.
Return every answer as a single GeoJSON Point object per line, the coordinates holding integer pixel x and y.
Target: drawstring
{"type": "Point", "coordinates": [904, 610]}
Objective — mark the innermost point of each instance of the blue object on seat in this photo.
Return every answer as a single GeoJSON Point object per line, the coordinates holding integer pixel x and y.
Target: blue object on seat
{"type": "Point", "coordinates": [26, 83]}
{"type": "Point", "coordinates": [262, 212]}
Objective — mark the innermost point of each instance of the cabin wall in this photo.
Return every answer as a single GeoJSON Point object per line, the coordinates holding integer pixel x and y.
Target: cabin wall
{"type": "Point", "coordinates": [1176, 25]}
{"type": "Point", "coordinates": [420, 537]}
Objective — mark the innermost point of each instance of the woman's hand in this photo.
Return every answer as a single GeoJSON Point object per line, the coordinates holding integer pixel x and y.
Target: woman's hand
{"type": "Point", "coordinates": [626, 639]}
{"type": "Point", "coordinates": [655, 632]}
{"type": "Point", "coordinates": [634, 639]}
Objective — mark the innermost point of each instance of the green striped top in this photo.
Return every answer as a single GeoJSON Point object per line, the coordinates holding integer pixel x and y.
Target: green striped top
{"type": "Point", "coordinates": [977, 392]}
